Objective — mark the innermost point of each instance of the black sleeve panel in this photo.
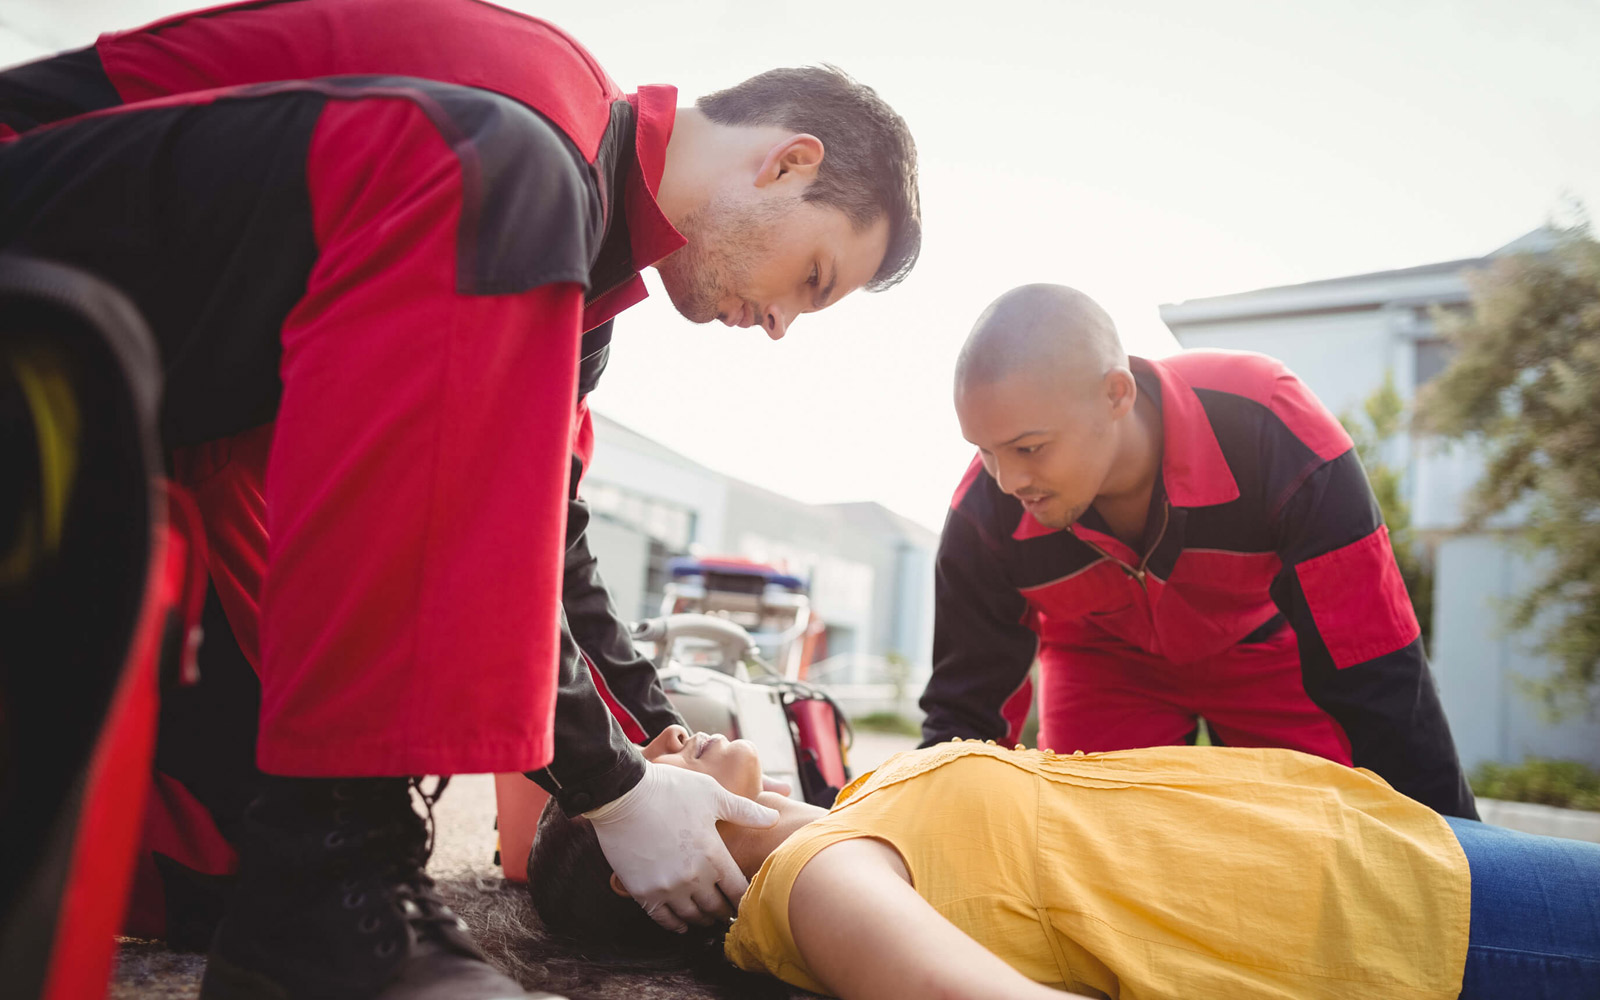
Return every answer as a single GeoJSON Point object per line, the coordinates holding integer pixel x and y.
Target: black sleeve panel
{"type": "Point", "coordinates": [981, 650]}
{"type": "Point", "coordinates": [594, 761]}
{"type": "Point", "coordinates": [594, 352]}
{"type": "Point", "coordinates": [533, 184]}
{"type": "Point", "coordinates": [49, 90]}
{"type": "Point", "coordinates": [202, 216]}
{"type": "Point", "coordinates": [1388, 705]}
{"type": "Point", "coordinates": [600, 632]}
{"type": "Point", "coordinates": [531, 211]}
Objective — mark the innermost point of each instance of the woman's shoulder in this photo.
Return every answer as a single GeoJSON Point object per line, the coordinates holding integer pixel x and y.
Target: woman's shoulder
{"type": "Point", "coordinates": [909, 764]}
{"type": "Point", "coordinates": [761, 939]}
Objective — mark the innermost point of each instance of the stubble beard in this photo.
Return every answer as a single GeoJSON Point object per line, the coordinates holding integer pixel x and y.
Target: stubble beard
{"type": "Point", "coordinates": [1067, 519]}
{"type": "Point", "coordinates": [726, 242]}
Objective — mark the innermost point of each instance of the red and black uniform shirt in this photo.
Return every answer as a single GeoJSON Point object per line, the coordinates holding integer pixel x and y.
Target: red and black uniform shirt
{"type": "Point", "coordinates": [612, 151]}
{"type": "Point", "coordinates": [1262, 513]}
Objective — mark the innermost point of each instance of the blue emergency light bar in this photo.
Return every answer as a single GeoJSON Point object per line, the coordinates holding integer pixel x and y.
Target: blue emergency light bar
{"type": "Point", "coordinates": [687, 566]}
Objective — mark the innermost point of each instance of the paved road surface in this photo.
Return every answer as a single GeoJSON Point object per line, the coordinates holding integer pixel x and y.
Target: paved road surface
{"type": "Point", "coordinates": [463, 849]}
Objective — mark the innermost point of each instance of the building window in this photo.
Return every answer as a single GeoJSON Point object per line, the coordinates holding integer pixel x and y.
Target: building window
{"type": "Point", "coordinates": [658, 573]}
{"type": "Point", "coordinates": [1434, 355]}
{"type": "Point", "coordinates": [663, 521]}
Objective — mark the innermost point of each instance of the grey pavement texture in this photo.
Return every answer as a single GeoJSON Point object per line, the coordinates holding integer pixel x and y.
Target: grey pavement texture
{"type": "Point", "coordinates": [499, 914]}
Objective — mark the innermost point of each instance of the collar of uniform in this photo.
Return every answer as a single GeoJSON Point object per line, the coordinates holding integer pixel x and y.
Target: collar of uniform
{"type": "Point", "coordinates": [650, 236]}
{"type": "Point", "coordinates": [1193, 468]}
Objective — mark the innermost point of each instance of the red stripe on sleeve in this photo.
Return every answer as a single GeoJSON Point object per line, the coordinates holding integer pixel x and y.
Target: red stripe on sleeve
{"type": "Point", "coordinates": [418, 480]}
{"type": "Point", "coordinates": [1359, 600]}
{"type": "Point", "coordinates": [630, 724]}
{"type": "Point", "coordinates": [583, 437]}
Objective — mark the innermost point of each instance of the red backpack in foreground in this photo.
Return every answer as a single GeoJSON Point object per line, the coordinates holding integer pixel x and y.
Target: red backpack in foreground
{"type": "Point", "coordinates": [101, 582]}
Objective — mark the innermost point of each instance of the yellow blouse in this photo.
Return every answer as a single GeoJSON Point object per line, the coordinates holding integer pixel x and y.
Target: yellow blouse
{"type": "Point", "coordinates": [1187, 873]}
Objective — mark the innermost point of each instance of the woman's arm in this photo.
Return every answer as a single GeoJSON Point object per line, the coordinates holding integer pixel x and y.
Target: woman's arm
{"type": "Point", "coordinates": [865, 933]}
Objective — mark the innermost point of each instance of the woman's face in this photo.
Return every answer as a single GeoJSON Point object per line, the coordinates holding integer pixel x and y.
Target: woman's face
{"type": "Point", "coordinates": [733, 763]}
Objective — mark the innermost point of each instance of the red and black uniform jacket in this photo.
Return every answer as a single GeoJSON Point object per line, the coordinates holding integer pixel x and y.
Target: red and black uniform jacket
{"type": "Point", "coordinates": [614, 146]}
{"type": "Point", "coordinates": [1264, 514]}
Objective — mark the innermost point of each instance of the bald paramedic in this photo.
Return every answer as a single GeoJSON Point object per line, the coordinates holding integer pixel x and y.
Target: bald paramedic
{"type": "Point", "coordinates": [1176, 539]}
{"type": "Point", "coordinates": [371, 295]}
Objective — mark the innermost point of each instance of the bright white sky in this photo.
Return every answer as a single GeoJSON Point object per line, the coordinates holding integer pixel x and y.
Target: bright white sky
{"type": "Point", "coordinates": [1145, 151]}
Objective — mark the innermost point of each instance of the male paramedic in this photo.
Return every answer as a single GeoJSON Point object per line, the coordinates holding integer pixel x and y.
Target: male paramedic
{"type": "Point", "coordinates": [206, 770]}
{"type": "Point", "coordinates": [379, 284]}
{"type": "Point", "coordinates": [455, 41]}
{"type": "Point", "coordinates": [1193, 537]}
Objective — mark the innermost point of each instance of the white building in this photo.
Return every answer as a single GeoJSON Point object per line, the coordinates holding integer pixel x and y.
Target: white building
{"type": "Point", "coordinates": [870, 570]}
{"type": "Point", "coordinates": [1342, 336]}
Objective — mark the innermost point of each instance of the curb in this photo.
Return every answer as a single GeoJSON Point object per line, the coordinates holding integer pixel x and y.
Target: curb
{"type": "Point", "coordinates": [1573, 824]}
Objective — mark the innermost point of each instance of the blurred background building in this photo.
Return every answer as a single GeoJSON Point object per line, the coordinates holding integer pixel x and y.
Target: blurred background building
{"type": "Point", "coordinates": [1344, 336]}
{"type": "Point", "coordinates": [869, 571]}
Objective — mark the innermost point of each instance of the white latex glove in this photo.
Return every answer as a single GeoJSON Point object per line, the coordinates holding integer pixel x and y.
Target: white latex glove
{"type": "Point", "coordinates": [661, 839]}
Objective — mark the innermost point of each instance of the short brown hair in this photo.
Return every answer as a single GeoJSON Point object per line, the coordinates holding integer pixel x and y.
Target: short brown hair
{"type": "Point", "coordinates": [869, 169]}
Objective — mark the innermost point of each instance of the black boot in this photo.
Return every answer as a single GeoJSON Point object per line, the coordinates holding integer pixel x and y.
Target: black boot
{"type": "Point", "coordinates": [332, 904]}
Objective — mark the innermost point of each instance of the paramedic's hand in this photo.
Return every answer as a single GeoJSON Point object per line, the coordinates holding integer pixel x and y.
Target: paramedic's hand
{"type": "Point", "coordinates": [661, 839]}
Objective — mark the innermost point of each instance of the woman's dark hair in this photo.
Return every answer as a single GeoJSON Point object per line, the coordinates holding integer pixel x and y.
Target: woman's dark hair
{"type": "Point", "coordinates": [569, 881]}
{"type": "Point", "coordinates": [869, 166]}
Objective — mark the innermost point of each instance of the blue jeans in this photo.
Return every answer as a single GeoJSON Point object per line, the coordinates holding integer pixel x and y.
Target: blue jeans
{"type": "Point", "coordinates": [1535, 915]}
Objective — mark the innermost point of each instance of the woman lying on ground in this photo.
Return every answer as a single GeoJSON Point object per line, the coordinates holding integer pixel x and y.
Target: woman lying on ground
{"type": "Point", "coordinates": [970, 870]}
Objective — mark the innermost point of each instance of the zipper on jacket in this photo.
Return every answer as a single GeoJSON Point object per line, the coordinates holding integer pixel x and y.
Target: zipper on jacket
{"type": "Point", "coordinates": [1137, 573]}
{"type": "Point", "coordinates": [1166, 512]}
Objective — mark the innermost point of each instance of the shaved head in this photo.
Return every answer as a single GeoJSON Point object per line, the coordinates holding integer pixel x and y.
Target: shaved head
{"type": "Point", "coordinates": [1051, 331]}
{"type": "Point", "coordinates": [1044, 391]}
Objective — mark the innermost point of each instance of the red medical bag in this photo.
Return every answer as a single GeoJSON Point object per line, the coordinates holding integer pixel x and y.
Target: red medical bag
{"type": "Point", "coordinates": [101, 582]}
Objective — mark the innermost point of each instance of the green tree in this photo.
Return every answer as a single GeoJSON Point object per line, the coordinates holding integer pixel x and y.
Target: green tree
{"type": "Point", "coordinates": [1525, 386]}
{"type": "Point", "coordinates": [1382, 419]}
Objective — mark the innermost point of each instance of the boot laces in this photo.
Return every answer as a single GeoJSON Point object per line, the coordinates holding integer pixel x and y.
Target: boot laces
{"type": "Point", "coordinates": [428, 802]}
{"type": "Point", "coordinates": [403, 876]}
{"type": "Point", "coordinates": [415, 891]}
